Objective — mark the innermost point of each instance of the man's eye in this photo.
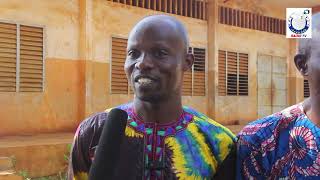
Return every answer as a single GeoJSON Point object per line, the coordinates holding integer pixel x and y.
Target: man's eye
{"type": "Point", "coordinates": [133, 54]}
{"type": "Point", "coordinates": [160, 53]}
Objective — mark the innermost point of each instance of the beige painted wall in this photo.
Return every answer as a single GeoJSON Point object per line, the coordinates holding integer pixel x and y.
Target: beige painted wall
{"type": "Point", "coordinates": [78, 58]}
{"type": "Point", "coordinates": [260, 7]}
{"type": "Point", "coordinates": [60, 19]}
{"type": "Point", "coordinates": [56, 109]}
{"type": "Point", "coordinates": [70, 88]}
{"type": "Point", "coordinates": [244, 108]}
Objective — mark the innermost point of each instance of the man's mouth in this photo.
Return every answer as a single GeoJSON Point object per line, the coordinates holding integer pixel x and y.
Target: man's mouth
{"type": "Point", "coordinates": [144, 80]}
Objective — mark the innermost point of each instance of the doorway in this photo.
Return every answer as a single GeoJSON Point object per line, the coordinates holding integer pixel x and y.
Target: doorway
{"type": "Point", "coordinates": [272, 84]}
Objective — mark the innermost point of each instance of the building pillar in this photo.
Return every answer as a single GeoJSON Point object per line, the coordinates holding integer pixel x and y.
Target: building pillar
{"type": "Point", "coordinates": [86, 57]}
{"type": "Point", "coordinates": [212, 22]}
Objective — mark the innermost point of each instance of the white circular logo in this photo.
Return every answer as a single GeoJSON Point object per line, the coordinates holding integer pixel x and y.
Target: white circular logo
{"type": "Point", "coordinates": [299, 22]}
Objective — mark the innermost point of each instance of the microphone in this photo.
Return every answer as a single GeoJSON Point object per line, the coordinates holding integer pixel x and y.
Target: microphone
{"type": "Point", "coordinates": [108, 150]}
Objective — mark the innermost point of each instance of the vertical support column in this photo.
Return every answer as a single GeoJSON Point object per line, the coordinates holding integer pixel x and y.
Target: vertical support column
{"type": "Point", "coordinates": [86, 56]}
{"type": "Point", "coordinates": [212, 22]}
{"type": "Point", "coordinates": [166, 6]}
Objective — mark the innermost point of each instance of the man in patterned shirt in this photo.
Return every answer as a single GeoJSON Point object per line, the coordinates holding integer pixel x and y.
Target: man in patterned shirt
{"type": "Point", "coordinates": [163, 139]}
{"type": "Point", "coordinates": [286, 144]}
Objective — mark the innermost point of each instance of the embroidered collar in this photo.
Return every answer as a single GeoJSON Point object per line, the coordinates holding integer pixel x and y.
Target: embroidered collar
{"type": "Point", "coordinates": [167, 129]}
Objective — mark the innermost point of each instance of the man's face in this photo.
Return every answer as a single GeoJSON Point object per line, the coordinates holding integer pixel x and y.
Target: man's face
{"type": "Point", "coordinates": [155, 54]}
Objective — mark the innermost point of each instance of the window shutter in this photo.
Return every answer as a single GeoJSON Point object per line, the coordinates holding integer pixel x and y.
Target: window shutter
{"type": "Point", "coordinates": [8, 58]}
{"type": "Point", "coordinates": [31, 59]}
{"type": "Point", "coordinates": [119, 82]}
{"type": "Point", "coordinates": [222, 73]}
{"type": "Point", "coordinates": [232, 73]}
{"type": "Point", "coordinates": [190, 8]}
{"type": "Point", "coordinates": [194, 81]}
{"type": "Point", "coordinates": [306, 90]}
{"type": "Point", "coordinates": [199, 66]}
{"type": "Point", "coordinates": [243, 19]}
{"type": "Point", "coordinates": [243, 74]}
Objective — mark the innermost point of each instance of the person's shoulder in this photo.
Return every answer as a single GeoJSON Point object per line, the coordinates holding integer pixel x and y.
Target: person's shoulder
{"type": "Point", "coordinates": [124, 107]}
{"type": "Point", "coordinates": [94, 123]}
{"type": "Point", "coordinates": [264, 128]}
{"type": "Point", "coordinates": [210, 126]}
{"type": "Point", "coordinates": [216, 135]}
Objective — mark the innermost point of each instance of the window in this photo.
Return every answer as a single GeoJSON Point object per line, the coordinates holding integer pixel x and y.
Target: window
{"type": "Point", "coordinates": [190, 8]}
{"type": "Point", "coordinates": [234, 17]}
{"type": "Point", "coordinates": [21, 58]}
{"type": "Point", "coordinates": [233, 73]}
{"type": "Point", "coordinates": [306, 90]}
{"type": "Point", "coordinates": [119, 82]}
{"type": "Point", "coordinates": [194, 79]}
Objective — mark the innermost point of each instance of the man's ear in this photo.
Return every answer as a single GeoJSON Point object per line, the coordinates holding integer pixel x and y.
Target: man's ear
{"type": "Point", "coordinates": [188, 62]}
{"type": "Point", "coordinates": [301, 63]}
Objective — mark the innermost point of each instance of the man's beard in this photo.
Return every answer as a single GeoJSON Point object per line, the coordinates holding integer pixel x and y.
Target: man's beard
{"type": "Point", "coordinates": [159, 97]}
{"type": "Point", "coordinates": [153, 98]}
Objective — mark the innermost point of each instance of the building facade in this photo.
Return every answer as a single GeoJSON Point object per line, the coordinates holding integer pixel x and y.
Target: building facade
{"type": "Point", "coordinates": [61, 61]}
{"type": "Point", "coordinates": [64, 60]}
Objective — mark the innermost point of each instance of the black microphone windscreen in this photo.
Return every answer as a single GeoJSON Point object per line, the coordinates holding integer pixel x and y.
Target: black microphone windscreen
{"type": "Point", "coordinates": [107, 153]}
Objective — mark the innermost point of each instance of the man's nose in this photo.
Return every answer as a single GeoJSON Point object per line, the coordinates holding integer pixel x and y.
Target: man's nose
{"type": "Point", "coordinates": [144, 62]}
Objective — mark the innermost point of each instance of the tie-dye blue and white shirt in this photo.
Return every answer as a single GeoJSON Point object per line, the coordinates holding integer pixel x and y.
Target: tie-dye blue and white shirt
{"type": "Point", "coordinates": [193, 147]}
{"type": "Point", "coordinates": [284, 145]}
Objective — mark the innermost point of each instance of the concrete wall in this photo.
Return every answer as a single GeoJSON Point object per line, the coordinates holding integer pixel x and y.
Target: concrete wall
{"type": "Point", "coordinates": [55, 109]}
{"type": "Point", "coordinates": [77, 62]}
{"type": "Point", "coordinates": [78, 54]}
{"type": "Point", "coordinates": [244, 108]}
